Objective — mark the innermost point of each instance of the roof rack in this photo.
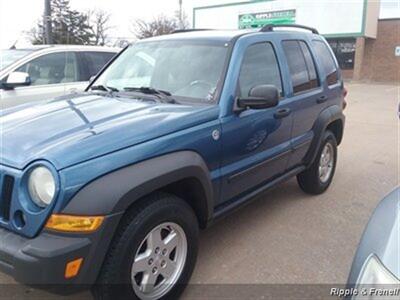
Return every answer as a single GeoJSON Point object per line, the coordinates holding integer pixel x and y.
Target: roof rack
{"type": "Point", "coordinates": [189, 30]}
{"type": "Point", "coordinates": [270, 27]}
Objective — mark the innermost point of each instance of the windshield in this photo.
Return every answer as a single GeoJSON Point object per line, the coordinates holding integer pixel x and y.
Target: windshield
{"type": "Point", "coordinates": [184, 69]}
{"type": "Point", "coordinates": [7, 57]}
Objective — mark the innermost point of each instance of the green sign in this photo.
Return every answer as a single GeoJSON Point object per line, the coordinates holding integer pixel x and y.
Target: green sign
{"type": "Point", "coordinates": [258, 20]}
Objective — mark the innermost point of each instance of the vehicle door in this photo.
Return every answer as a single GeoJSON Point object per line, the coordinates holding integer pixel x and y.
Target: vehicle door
{"type": "Point", "coordinates": [256, 143]}
{"type": "Point", "coordinates": [49, 74]}
{"type": "Point", "coordinates": [307, 97]}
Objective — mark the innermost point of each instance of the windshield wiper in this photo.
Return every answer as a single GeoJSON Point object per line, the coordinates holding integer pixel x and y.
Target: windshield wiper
{"type": "Point", "coordinates": [147, 90]}
{"type": "Point", "coordinates": [163, 95]}
{"type": "Point", "coordinates": [104, 88]}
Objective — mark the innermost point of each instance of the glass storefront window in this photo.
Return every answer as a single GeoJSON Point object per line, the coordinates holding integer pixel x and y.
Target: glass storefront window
{"type": "Point", "coordinates": [344, 50]}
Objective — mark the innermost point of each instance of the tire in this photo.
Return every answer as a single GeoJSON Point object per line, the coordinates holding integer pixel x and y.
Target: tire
{"type": "Point", "coordinates": [155, 214]}
{"type": "Point", "coordinates": [310, 180]}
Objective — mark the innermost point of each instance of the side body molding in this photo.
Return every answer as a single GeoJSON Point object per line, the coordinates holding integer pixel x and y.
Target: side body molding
{"type": "Point", "coordinates": [331, 114]}
{"type": "Point", "coordinates": [116, 191]}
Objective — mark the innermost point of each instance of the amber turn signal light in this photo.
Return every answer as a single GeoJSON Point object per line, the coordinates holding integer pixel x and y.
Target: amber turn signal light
{"type": "Point", "coordinates": [68, 223]}
{"type": "Point", "coordinates": [72, 268]}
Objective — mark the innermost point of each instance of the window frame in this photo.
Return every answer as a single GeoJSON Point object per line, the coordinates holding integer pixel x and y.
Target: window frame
{"type": "Point", "coordinates": [317, 71]}
{"type": "Point", "coordinates": [282, 92]}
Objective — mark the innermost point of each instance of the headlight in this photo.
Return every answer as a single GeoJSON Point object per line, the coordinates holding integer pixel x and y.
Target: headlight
{"type": "Point", "coordinates": [376, 281]}
{"type": "Point", "coordinates": [42, 186]}
{"type": "Point", "coordinates": [375, 273]}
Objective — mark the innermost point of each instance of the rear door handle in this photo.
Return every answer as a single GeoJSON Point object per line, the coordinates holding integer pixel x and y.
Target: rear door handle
{"type": "Point", "coordinates": [322, 99]}
{"type": "Point", "coordinates": [282, 113]}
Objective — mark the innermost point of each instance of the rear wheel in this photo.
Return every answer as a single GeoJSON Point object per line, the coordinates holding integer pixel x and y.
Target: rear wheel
{"type": "Point", "coordinates": [318, 177]}
{"type": "Point", "coordinates": [153, 253]}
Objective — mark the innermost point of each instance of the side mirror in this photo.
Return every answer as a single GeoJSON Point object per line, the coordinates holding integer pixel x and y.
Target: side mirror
{"type": "Point", "coordinates": [260, 97]}
{"type": "Point", "coordinates": [16, 79]}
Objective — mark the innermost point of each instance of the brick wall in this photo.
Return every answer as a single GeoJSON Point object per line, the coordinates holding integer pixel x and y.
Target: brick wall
{"type": "Point", "coordinates": [347, 74]}
{"type": "Point", "coordinates": [379, 62]}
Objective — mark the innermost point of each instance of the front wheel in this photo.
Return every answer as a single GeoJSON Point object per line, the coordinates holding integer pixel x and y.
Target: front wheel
{"type": "Point", "coordinates": [153, 254]}
{"type": "Point", "coordinates": [318, 177]}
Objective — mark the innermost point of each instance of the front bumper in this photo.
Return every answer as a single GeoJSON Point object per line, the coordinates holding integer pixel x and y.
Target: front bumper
{"type": "Point", "coordinates": [41, 261]}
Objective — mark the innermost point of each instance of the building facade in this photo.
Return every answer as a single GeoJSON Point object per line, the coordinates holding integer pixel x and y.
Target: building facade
{"type": "Point", "coordinates": [379, 59]}
{"type": "Point", "coordinates": [366, 48]}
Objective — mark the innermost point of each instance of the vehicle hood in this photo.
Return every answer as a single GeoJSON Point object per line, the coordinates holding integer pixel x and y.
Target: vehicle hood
{"type": "Point", "coordinates": [69, 131]}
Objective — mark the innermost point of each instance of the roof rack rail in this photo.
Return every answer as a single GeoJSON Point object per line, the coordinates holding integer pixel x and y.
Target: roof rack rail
{"type": "Point", "coordinates": [189, 30]}
{"type": "Point", "coordinates": [270, 27]}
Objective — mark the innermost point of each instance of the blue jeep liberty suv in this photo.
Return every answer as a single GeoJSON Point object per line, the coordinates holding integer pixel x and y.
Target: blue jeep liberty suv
{"type": "Point", "coordinates": [108, 189]}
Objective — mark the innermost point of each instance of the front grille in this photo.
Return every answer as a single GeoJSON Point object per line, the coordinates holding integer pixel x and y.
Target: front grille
{"type": "Point", "coordinates": [5, 197]}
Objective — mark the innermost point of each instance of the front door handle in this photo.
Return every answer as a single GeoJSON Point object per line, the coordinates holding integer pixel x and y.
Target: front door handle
{"type": "Point", "coordinates": [322, 99]}
{"type": "Point", "coordinates": [282, 113]}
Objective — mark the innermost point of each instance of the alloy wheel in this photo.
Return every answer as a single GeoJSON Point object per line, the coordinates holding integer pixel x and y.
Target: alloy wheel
{"type": "Point", "coordinates": [159, 261]}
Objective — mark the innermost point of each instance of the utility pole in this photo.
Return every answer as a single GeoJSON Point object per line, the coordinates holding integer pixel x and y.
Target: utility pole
{"type": "Point", "coordinates": [180, 14]}
{"type": "Point", "coordinates": [47, 23]}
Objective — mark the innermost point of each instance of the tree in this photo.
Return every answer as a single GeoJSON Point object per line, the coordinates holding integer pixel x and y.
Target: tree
{"type": "Point", "coordinates": [99, 23]}
{"type": "Point", "coordinates": [182, 19]}
{"type": "Point", "coordinates": [72, 27]}
{"type": "Point", "coordinates": [36, 35]}
{"type": "Point", "coordinates": [160, 25]}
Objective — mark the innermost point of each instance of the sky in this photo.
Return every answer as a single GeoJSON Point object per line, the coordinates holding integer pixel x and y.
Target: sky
{"type": "Point", "coordinates": [18, 16]}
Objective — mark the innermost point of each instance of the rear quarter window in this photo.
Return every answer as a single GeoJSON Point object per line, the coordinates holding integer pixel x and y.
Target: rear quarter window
{"type": "Point", "coordinates": [327, 61]}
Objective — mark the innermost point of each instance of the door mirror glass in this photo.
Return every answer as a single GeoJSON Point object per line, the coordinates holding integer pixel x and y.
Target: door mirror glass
{"type": "Point", "coordinates": [260, 97]}
{"type": "Point", "coordinates": [16, 79]}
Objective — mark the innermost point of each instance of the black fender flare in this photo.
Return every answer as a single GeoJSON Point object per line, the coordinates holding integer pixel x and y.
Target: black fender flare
{"type": "Point", "coordinates": [115, 192]}
{"type": "Point", "coordinates": [326, 117]}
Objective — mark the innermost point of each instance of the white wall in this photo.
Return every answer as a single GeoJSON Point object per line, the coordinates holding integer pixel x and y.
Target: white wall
{"type": "Point", "coordinates": [328, 16]}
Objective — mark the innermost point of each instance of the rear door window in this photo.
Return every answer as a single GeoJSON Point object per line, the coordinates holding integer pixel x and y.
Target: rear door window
{"type": "Point", "coordinates": [327, 61]}
{"type": "Point", "coordinates": [95, 62]}
{"type": "Point", "coordinates": [301, 66]}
